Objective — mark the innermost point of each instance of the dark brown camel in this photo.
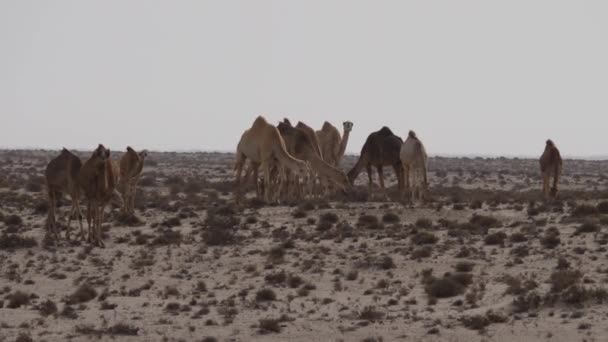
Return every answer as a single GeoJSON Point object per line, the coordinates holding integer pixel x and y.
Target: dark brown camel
{"type": "Point", "coordinates": [381, 149]}
{"type": "Point", "coordinates": [62, 178]}
{"type": "Point", "coordinates": [550, 165]}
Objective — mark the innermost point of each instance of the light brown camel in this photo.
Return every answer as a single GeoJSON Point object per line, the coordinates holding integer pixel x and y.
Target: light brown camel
{"type": "Point", "coordinates": [131, 166]}
{"type": "Point", "coordinates": [414, 161]}
{"type": "Point", "coordinates": [300, 145]}
{"type": "Point", "coordinates": [551, 164]}
{"type": "Point", "coordinates": [332, 145]}
{"type": "Point", "coordinates": [262, 144]}
{"type": "Point", "coordinates": [382, 148]}
{"type": "Point", "coordinates": [98, 178]}
{"type": "Point", "coordinates": [62, 178]}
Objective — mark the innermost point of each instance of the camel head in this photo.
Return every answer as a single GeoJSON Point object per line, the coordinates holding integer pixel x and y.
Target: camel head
{"type": "Point", "coordinates": [348, 126]}
{"type": "Point", "coordinates": [412, 135]}
{"type": "Point", "coordinates": [101, 152]}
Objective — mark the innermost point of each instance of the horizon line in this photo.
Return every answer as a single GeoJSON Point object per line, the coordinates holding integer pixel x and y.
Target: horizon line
{"type": "Point", "coordinates": [431, 155]}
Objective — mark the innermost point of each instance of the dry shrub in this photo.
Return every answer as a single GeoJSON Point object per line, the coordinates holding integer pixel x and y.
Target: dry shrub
{"type": "Point", "coordinates": [497, 238]}
{"type": "Point", "coordinates": [424, 238]}
{"type": "Point", "coordinates": [47, 308]}
{"type": "Point", "coordinates": [17, 300]}
{"type": "Point", "coordinates": [369, 313]}
{"type": "Point", "coordinates": [269, 325]}
{"type": "Point", "coordinates": [14, 241]}
{"type": "Point", "coordinates": [391, 218]}
{"type": "Point", "coordinates": [584, 210]}
{"type": "Point", "coordinates": [485, 221]}
{"type": "Point", "coordinates": [83, 294]}
{"type": "Point", "coordinates": [424, 223]}
{"type": "Point", "coordinates": [265, 295]}
{"type": "Point", "coordinates": [220, 226]}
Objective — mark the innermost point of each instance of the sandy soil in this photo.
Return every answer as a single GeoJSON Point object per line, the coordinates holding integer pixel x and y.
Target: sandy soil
{"type": "Point", "coordinates": [484, 260]}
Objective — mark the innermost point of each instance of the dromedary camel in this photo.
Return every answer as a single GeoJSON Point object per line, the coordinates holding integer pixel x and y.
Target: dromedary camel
{"type": "Point", "coordinates": [332, 145]}
{"type": "Point", "coordinates": [300, 145]}
{"type": "Point", "coordinates": [62, 177]}
{"type": "Point", "coordinates": [414, 161]}
{"type": "Point", "coordinates": [262, 144]}
{"type": "Point", "coordinates": [131, 165]}
{"type": "Point", "coordinates": [550, 165]}
{"type": "Point", "coordinates": [98, 178]}
{"type": "Point", "coordinates": [382, 148]}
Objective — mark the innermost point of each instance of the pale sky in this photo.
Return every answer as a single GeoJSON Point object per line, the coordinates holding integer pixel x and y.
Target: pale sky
{"type": "Point", "coordinates": [470, 77]}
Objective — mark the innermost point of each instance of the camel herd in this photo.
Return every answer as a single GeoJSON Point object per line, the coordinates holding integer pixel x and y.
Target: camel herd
{"type": "Point", "coordinates": [100, 179]}
{"type": "Point", "coordinates": [297, 162]}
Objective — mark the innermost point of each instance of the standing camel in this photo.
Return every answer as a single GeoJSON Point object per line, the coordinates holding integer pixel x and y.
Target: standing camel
{"type": "Point", "coordinates": [61, 176]}
{"type": "Point", "coordinates": [332, 145]}
{"type": "Point", "coordinates": [382, 148]}
{"type": "Point", "coordinates": [550, 165]}
{"type": "Point", "coordinates": [98, 178]}
{"type": "Point", "coordinates": [414, 161]}
{"type": "Point", "coordinates": [262, 145]}
{"type": "Point", "coordinates": [131, 166]}
{"type": "Point", "coordinates": [300, 145]}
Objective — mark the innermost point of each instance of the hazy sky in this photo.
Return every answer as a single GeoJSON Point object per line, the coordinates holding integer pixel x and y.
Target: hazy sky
{"type": "Point", "coordinates": [470, 77]}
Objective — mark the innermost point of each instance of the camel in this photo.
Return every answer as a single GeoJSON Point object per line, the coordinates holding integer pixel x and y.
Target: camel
{"type": "Point", "coordinates": [262, 144]}
{"type": "Point", "coordinates": [332, 145]}
{"type": "Point", "coordinates": [312, 136]}
{"type": "Point", "coordinates": [382, 148]}
{"type": "Point", "coordinates": [62, 177]}
{"type": "Point", "coordinates": [414, 161]}
{"type": "Point", "coordinates": [550, 165]}
{"type": "Point", "coordinates": [131, 165]}
{"type": "Point", "coordinates": [300, 145]}
{"type": "Point", "coordinates": [98, 178]}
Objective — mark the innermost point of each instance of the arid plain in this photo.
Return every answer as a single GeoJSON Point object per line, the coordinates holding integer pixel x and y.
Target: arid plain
{"type": "Point", "coordinates": [484, 259]}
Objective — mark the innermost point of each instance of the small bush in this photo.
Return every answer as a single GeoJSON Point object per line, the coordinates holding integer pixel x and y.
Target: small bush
{"type": "Point", "coordinates": [495, 238]}
{"type": "Point", "coordinates": [563, 279]}
{"type": "Point", "coordinates": [584, 210]}
{"type": "Point", "coordinates": [485, 221]}
{"type": "Point", "coordinates": [391, 218]}
{"type": "Point", "coordinates": [265, 295]}
{"type": "Point", "coordinates": [17, 300]}
{"type": "Point", "coordinates": [445, 287]}
{"type": "Point", "coordinates": [464, 266]}
{"type": "Point", "coordinates": [424, 238]}
{"type": "Point", "coordinates": [587, 227]}
{"type": "Point", "coordinates": [83, 294]}
{"type": "Point", "coordinates": [13, 220]}
{"type": "Point", "coordinates": [270, 325]}
{"type": "Point", "coordinates": [47, 308]}
{"type": "Point", "coordinates": [369, 313]}
{"type": "Point", "coordinates": [424, 223]}
{"type": "Point", "coordinates": [602, 207]}
{"type": "Point", "coordinates": [122, 329]}
{"type": "Point", "coordinates": [14, 241]}
{"type": "Point", "coordinates": [329, 218]}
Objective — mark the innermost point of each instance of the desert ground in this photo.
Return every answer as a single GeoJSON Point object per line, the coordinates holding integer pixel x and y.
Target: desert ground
{"type": "Point", "coordinates": [484, 259]}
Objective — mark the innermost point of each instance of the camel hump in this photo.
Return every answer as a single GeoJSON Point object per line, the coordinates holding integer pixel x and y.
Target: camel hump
{"type": "Point", "coordinates": [326, 126]}
{"type": "Point", "coordinates": [412, 135]}
{"type": "Point", "coordinates": [287, 122]}
{"type": "Point", "coordinates": [550, 143]}
{"type": "Point", "coordinates": [260, 120]}
{"type": "Point", "coordinates": [385, 131]}
{"type": "Point", "coordinates": [129, 149]}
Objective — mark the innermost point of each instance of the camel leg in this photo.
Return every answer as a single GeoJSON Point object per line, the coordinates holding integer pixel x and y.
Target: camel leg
{"type": "Point", "coordinates": [545, 185]}
{"type": "Point", "coordinates": [381, 180]}
{"type": "Point", "coordinates": [237, 184]}
{"type": "Point", "coordinates": [266, 170]}
{"type": "Point", "coordinates": [51, 221]}
{"type": "Point", "coordinates": [90, 215]}
{"type": "Point", "coordinates": [369, 176]}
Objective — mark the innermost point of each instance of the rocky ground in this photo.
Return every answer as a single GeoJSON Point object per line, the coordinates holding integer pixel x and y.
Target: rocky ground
{"type": "Point", "coordinates": [485, 259]}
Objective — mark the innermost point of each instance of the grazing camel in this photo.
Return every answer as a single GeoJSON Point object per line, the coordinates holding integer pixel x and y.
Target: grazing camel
{"type": "Point", "coordinates": [382, 148]}
{"type": "Point", "coordinates": [98, 178]}
{"type": "Point", "coordinates": [332, 145]}
{"type": "Point", "coordinates": [262, 144]}
{"type": "Point", "coordinates": [62, 177]}
{"type": "Point", "coordinates": [131, 165]}
{"type": "Point", "coordinates": [414, 161]}
{"type": "Point", "coordinates": [300, 145]}
{"type": "Point", "coordinates": [550, 165]}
